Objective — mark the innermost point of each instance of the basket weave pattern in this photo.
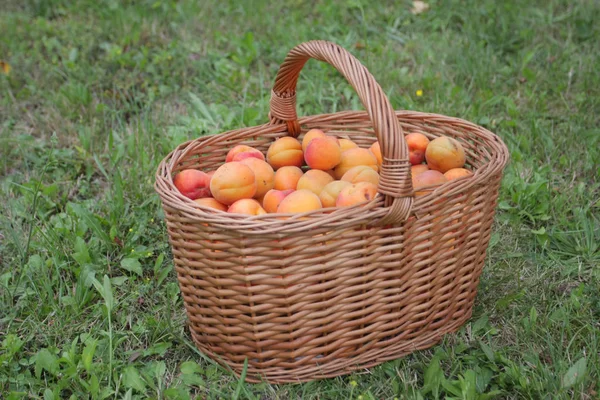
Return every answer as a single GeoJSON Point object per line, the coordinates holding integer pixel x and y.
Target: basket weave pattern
{"type": "Point", "coordinates": [329, 292]}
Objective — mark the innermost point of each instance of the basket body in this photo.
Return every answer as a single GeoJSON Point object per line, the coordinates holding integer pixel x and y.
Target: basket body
{"type": "Point", "coordinates": [324, 297]}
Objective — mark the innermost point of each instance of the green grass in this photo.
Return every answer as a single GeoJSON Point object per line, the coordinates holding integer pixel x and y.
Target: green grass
{"type": "Point", "coordinates": [99, 93]}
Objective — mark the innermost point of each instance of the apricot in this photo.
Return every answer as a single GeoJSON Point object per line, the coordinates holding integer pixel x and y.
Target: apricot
{"type": "Point", "coordinates": [212, 203]}
{"type": "Point", "coordinates": [347, 144]}
{"type": "Point", "coordinates": [376, 150]}
{"type": "Point", "coordinates": [285, 151]}
{"type": "Point", "coordinates": [314, 180]}
{"type": "Point", "coordinates": [352, 158]}
{"type": "Point", "coordinates": [456, 173]}
{"type": "Point", "coordinates": [331, 191]}
{"type": "Point", "coordinates": [233, 181]}
{"type": "Point", "coordinates": [361, 173]}
{"type": "Point", "coordinates": [427, 178]}
{"type": "Point", "coordinates": [417, 144]}
{"type": "Point", "coordinates": [287, 177]}
{"type": "Point", "coordinates": [418, 169]}
{"type": "Point", "coordinates": [249, 154]}
{"type": "Point", "coordinates": [355, 194]}
{"type": "Point", "coordinates": [299, 201]}
{"type": "Point", "coordinates": [445, 153]}
{"type": "Point", "coordinates": [247, 206]}
{"type": "Point", "coordinates": [273, 198]}
{"type": "Point", "coordinates": [240, 148]}
{"type": "Point", "coordinates": [331, 172]}
{"type": "Point", "coordinates": [193, 183]}
{"type": "Point", "coordinates": [322, 153]}
{"type": "Point", "coordinates": [263, 173]}
{"type": "Point", "coordinates": [310, 135]}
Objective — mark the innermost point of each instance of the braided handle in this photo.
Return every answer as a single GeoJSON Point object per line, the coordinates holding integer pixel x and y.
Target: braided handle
{"type": "Point", "coordinates": [395, 179]}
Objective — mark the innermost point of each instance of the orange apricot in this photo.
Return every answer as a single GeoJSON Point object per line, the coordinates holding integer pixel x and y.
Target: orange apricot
{"type": "Point", "coordinates": [445, 153]}
{"type": "Point", "coordinates": [417, 144]}
{"type": "Point", "coordinates": [355, 194]}
{"type": "Point", "coordinates": [331, 191]}
{"type": "Point", "coordinates": [456, 173]}
{"type": "Point", "coordinates": [240, 148]}
{"type": "Point", "coordinates": [249, 154]}
{"type": "Point", "coordinates": [361, 173]}
{"type": "Point", "coordinates": [310, 135]}
{"type": "Point", "coordinates": [193, 183]}
{"type": "Point", "coordinates": [418, 169]}
{"type": "Point", "coordinates": [314, 180]}
{"type": "Point", "coordinates": [287, 177]}
{"type": "Point", "coordinates": [212, 203]}
{"type": "Point", "coordinates": [263, 173]}
{"type": "Point", "coordinates": [247, 206]}
{"type": "Point", "coordinates": [285, 151]}
{"type": "Point", "coordinates": [233, 181]}
{"type": "Point", "coordinates": [376, 150]}
{"type": "Point", "coordinates": [347, 144]}
{"type": "Point", "coordinates": [299, 201]}
{"type": "Point", "coordinates": [352, 158]}
{"type": "Point", "coordinates": [273, 198]}
{"type": "Point", "coordinates": [427, 178]}
{"type": "Point", "coordinates": [322, 153]}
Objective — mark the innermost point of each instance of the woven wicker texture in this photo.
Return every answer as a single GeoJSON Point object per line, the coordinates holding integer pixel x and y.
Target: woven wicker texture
{"type": "Point", "coordinates": [325, 293]}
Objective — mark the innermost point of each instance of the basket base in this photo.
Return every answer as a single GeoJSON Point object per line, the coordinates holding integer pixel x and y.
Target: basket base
{"type": "Point", "coordinates": [337, 367]}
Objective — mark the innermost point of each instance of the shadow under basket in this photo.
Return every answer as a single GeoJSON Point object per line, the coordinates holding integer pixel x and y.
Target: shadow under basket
{"type": "Point", "coordinates": [326, 293]}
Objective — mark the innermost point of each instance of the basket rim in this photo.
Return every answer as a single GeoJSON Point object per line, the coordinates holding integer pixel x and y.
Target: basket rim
{"type": "Point", "coordinates": [368, 212]}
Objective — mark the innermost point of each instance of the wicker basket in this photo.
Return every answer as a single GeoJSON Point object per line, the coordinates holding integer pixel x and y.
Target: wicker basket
{"type": "Point", "coordinates": [329, 292]}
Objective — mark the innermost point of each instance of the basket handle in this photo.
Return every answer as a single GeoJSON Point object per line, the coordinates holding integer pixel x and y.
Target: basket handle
{"type": "Point", "coordinates": [395, 182]}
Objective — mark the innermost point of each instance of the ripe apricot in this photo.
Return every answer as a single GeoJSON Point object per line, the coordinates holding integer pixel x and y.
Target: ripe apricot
{"type": "Point", "coordinates": [263, 173]}
{"type": "Point", "coordinates": [347, 144]}
{"type": "Point", "coordinates": [352, 158]}
{"type": "Point", "coordinates": [287, 178]}
{"type": "Point", "coordinates": [376, 150]}
{"type": "Point", "coordinates": [249, 154]}
{"type": "Point", "coordinates": [285, 151]}
{"type": "Point", "coordinates": [361, 173]}
{"type": "Point", "coordinates": [193, 183]}
{"type": "Point", "coordinates": [427, 178]}
{"type": "Point", "coordinates": [445, 153]}
{"type": "Point", "coordinates": [418, 169]}
{"type": "Point", "coordinates": [456, 173]}
{"type": "Point", "coordinates": [355, 194]}
{"type": "Point", "coordinates": [233, 181]}
{"type": "Point", "coordinates": [273, 198]}
{"type": "Point", "coordinates": [331, 191]}
{"type": "Point", "coordinates": [212, 203]}
{"type": "Point", "coordinates": [246, 206]}
{"type": "Point", "coordinates": [299, 201]}
{"type": "Point", "coordinates": [310, 135]}
{"type": "Point", "coordinates": [240, 148]}
{"type": "Point", "coordinates": [322, 153]}
{"type": "Point", "coordinates": [417, 144]}
{"type": "Point", "coordinates": [314, 180]}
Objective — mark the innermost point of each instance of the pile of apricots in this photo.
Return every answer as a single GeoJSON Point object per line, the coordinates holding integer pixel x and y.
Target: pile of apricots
{"type": "Point", "coordinates": [320, 171]}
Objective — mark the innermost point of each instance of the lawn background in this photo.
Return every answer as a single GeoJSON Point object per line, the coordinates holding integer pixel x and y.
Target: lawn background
{"type": "Point", "coordinates": [99, 92]}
